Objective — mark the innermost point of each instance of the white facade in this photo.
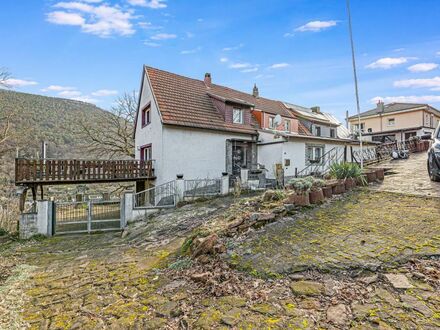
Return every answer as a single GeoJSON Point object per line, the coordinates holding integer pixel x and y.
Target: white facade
{"type": "Point", "coordinates": [195, 153]}
{"type": "Point", "coordinates": [291, 151]}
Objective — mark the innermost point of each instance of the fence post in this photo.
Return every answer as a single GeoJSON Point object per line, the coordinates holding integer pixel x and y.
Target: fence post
{"type": "Point", "coordinates": [244, 175]}
{"type": "Point", "coordinates": [89, 216]}
{"type": "Point", "coordinates": [225, 183]}
{"type": "Point", "coordinates": [180, 188]}
{"type": "Point", "coordinates": [127, 208]}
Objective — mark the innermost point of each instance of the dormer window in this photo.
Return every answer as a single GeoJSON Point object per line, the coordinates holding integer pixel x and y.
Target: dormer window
{"type": "Point", "coordinates": [237, 116]}
{"type": "Point", "coordinates": [318, 131]}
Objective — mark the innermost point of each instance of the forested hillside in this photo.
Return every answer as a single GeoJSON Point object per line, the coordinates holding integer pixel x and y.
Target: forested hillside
{"type": "Point", "coordinates": [36, 118]}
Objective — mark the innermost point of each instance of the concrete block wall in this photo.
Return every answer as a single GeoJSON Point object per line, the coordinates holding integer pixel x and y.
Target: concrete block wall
{"type": "Point", "coordinates": [39, 222]}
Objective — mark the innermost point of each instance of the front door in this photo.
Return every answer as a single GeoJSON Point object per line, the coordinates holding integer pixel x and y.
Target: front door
{"type": "Point", "coordinates": [240, 154]}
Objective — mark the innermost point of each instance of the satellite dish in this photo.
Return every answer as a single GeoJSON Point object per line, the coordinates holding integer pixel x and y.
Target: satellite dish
{"type": "Point", "coordinates": [277, 120]}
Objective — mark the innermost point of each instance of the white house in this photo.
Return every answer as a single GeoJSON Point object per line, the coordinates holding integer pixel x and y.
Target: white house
{"type": "Point", "coordinates": [200, 130]}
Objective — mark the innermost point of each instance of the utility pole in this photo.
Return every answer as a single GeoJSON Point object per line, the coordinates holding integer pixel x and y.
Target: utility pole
{"type": "Point", "coordinates": [355, 81]}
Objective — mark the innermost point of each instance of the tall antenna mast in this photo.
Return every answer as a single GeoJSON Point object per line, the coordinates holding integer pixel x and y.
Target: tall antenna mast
{"type": "Point", "coordinates": [355, 82]}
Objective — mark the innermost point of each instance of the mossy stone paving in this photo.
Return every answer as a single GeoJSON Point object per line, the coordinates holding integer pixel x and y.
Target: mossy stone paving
{"type": "Point", "coordinates": [364, 230]}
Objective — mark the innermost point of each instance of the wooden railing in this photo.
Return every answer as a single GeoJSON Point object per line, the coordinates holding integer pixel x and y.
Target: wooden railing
{"type": "Point", "coordinates": [59, 171]}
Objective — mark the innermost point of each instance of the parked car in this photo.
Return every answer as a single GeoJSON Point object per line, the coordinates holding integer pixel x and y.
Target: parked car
{"type": "Point", "coordinates": [434, 155]}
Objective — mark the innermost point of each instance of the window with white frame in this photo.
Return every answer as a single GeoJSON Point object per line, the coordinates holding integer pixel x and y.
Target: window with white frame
{"type": "Point", "coordinates": [271, 122]}
{"type": "Point", "coordinates": [314, 153]}
{"type": "Point", "coordinates": [237, 116]}
{"type": "Point", "coordinates": [356, 127]}
{"type": "Point", "coordinates": [287, 125]}
{"type": "Point", "coordinates": [391, 122]}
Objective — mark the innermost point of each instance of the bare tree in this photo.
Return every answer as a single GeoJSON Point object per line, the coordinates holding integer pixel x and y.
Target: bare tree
{"type": "Point", "coordinates": [112, 134]}
{"type": "Point", "coordinates": [5, 120]}
{"type": "Point", "coordinates": [4, 76]}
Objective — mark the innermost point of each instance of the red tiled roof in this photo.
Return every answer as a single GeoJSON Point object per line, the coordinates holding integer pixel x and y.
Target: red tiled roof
{"type": "Point", "coordinates": [185, 101]}
{"type": "Point", "coordinates": [302, 130]}
{"type": "Point", "coordinates": [261, 103]}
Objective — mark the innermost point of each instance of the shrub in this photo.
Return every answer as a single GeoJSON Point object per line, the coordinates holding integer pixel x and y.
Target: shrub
{"type": "Point", "coordinates": [301, 185]}
{"type": "Point", "coordinates": [346, 170]}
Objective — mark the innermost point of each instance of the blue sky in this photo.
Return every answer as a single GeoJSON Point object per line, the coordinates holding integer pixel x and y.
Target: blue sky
{"type": "Point", "coordinates": [297, 50]}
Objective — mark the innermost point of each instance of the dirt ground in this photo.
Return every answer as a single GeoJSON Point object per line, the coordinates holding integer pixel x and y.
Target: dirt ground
{"type": "Point", "coordinates": [367, 260]}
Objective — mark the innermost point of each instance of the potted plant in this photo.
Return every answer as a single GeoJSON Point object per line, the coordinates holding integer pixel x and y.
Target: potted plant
{"type": "Point", "coordinates": [349, 173]}
{"type": "Point", "coordinates": [316, 194]}
{"type": "Point", "coordinates": [380, 174]}
{"type": "Point", "coordinates": [302, 187]}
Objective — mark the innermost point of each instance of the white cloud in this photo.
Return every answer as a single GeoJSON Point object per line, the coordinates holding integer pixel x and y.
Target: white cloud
{"type": "Point", "coordinates": [12, 82]}
{"type": "Point", "coordinates": [431, 83]}
{"type": "Point", "coordinates": [58, 88]}
{"type": "Point", "coordinates": [99, 19]}
{"type": "Point", "coordinates": [288, 34]}
{"type": "Point", "coordinates": [388, 62]}
{"type": "Point", "coordinates": [105, 92]}
{"type": "Point", "coordinates": [407, 99]}
{"type": "Point", "coordinates": [69, 94]}
{"type": "Point", "coordinates": [397, 50]}
{"type": "Point", "coordinates": [264, 76]}
{"type": "Point", "coordinates": [151, 44]}
{"type": "Point", "coordinates": [148, 26]}
{"type": "Point", "coordinates": [240, 65]}
{"type": "Point", "coordinates": [224, 59]}
{"type": "Point", "coordinates": [438, 53]}
{"type": "Point", "coordinates": [85, 98]}
{"type": "Point", "coordinates": [190, 51]}
{"type": "Point", "coordinates": [316, 26]}
{"type": "Point", "coordinates": [423, 67]}
{"type": "Point", "coordinates": [163, 36]}
{"type": "Point", "coordinates": [63, 18]}
{"type": "Point", "coordinates": [153, 4]}
{"type": "Point", "coordinates": [255, 69]}
{"type": "Point", "coordinates": [228, 49]}
{"type": "Point", "coordinates": [279, 65]}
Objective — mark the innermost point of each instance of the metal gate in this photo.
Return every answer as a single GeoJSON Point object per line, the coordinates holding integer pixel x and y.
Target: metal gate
{"type": "Point", "coordinates": [87, 217]}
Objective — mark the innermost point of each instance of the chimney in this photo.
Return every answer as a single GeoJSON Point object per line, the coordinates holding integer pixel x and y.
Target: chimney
{"type": "Point", "coordinates": [255, 92]}
{"type": "Point", "coordinates": [379, 107]}
{"type": "Point", "coordinates": [316, 109]}
{"type": "Point", "coordinates": [207, 79]}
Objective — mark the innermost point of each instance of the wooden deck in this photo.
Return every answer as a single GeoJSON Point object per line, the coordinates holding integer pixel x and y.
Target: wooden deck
{"type": "Point", "coordinates": [73, 171]}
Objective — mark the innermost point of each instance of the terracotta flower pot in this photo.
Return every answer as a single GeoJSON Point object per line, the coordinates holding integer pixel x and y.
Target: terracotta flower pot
{"type": "Point", "coordinates": [327, 191]}
{"type": "Point", "coordinates": [316, 196]}
{"type": "Point", "coordinates": [339, 188]}
{"type": "Point", "coordinates": [350, 183]}
{"type": "Point", "coordinates": [301, 199]}
{"type": "Point", "coordinates": [371, 176]}
{"type": "Point", "coordinates": [362, 180]}
{"type": "Point", "coordinates": [380, 174]}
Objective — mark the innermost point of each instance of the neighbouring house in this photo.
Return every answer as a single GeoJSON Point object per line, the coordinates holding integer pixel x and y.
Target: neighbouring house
{"type": "Point", "coordinates": [200, 130]}
{"type": "Point", "coordinates": [395, 121]}
{"type": "Point", "coordinates": [321, 140]}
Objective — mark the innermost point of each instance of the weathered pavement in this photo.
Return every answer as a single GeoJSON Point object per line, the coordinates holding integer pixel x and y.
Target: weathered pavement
{"type": "Point", "coordinates": [368, 260]}
{"type": "Point", "coordinates": [410, 176]}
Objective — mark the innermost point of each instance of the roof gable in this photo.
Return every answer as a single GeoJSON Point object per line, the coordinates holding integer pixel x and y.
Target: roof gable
{"type": "Point", "coordinates": [396, 107]}
{"type": "Point", "coordinates": [185, 101]}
